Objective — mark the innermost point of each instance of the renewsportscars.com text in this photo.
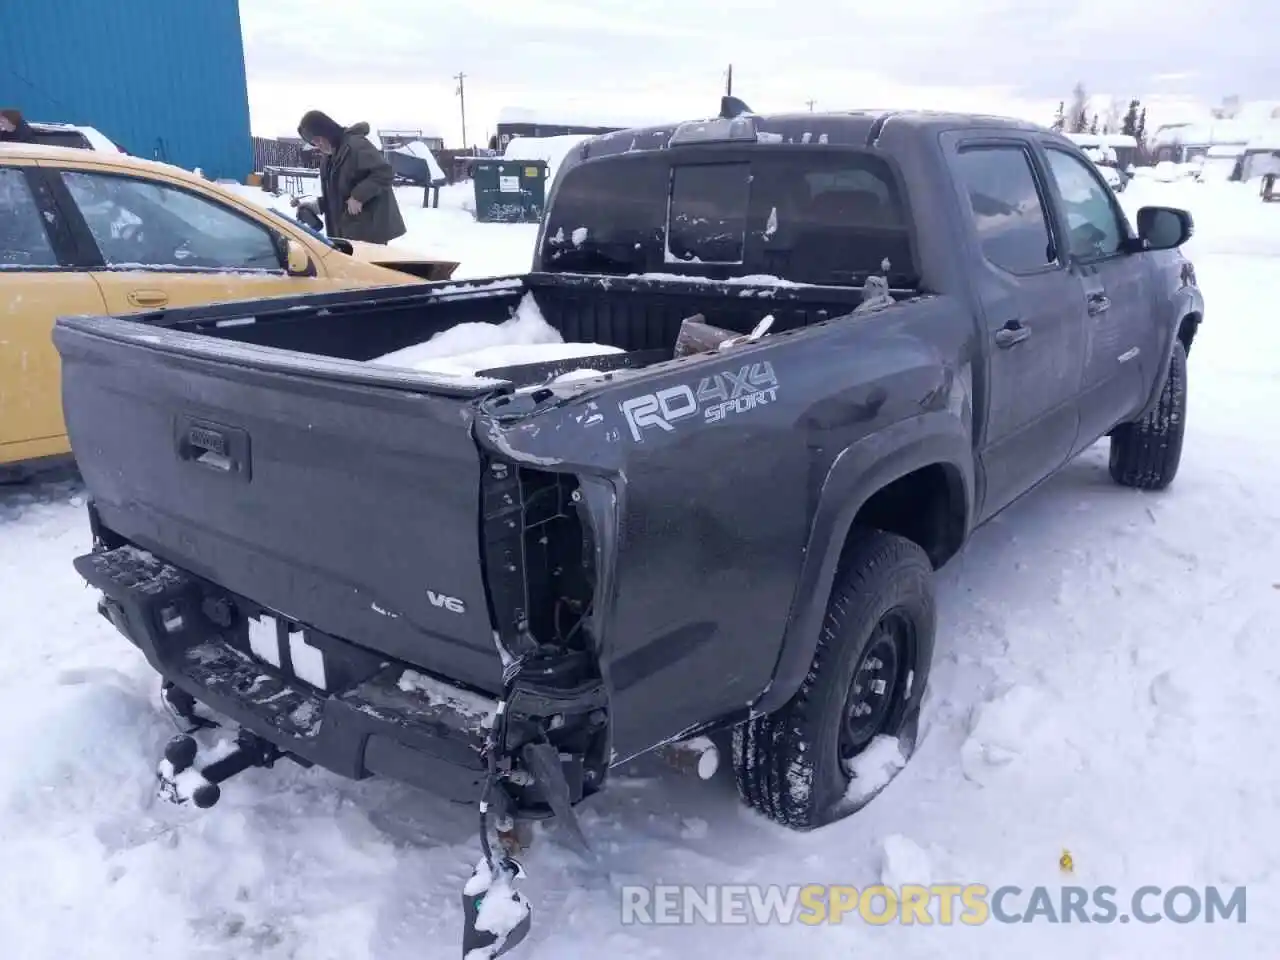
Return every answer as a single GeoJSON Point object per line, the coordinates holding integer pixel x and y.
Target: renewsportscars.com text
{"type": "Point", "coordinates": [943, 904]}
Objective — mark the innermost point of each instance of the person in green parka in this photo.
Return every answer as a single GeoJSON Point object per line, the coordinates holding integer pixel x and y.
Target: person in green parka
{"type": "Point", "coordinates": [356, 199]}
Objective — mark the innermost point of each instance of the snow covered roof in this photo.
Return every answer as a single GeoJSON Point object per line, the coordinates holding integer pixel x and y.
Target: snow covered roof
{"type": "Point", "coordinates": [1259, 112]}
{"type": "Point", "coordinates": [570, 117]}
{"type": "Point", "coordinates": [1102, 139]}
{"type": "Point", "coordinates": [426, 130]}
{"type": "Point", "coordinates": [1207, 133]}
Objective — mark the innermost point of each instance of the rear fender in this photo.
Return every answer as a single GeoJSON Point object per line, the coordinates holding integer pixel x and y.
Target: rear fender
{"type": "Point", "coordinates": [855, 476]}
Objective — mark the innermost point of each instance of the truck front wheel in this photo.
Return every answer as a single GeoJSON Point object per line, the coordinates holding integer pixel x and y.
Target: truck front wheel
{"type": "Point", "coordinates": [799, 765]}
{"type": "Point", "coordinates": [1145, 454]}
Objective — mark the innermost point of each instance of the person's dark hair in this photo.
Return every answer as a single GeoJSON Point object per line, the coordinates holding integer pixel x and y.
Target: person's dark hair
{"type": "Point", "coordinates": [314, 124]}
{"type": "Point", "coordinates": [13, 116]}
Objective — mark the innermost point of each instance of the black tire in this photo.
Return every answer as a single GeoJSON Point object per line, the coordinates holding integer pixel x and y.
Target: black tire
{"type": "Point", "coordinates": [1145, 454]}
{"type": "Point", "coordinates": [789, 764]}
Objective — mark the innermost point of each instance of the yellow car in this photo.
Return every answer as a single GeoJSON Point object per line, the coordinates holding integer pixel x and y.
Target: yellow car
{"type": "Point", "coordinates": [89, 232]}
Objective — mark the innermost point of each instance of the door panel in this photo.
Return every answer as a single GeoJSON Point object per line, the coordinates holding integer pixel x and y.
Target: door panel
{"type": "Point", "coordinates": [34, 290]}
{"type": "Point", "coordinates": [1118, 353]}
{"type": "Point", "coordinates": [1117, 295]}
{"type": "Point", "coordinates": [30, 383]}
{"type": "Point", "coordinates": [1033, 314]}
{"type": "Point", "coordinates": [166, 246]}
{"type": "Point", "coordinates": [135, 291]}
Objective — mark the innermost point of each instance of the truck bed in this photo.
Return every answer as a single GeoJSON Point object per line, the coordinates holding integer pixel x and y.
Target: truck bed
{"type": "Point", "coordinates": [633, 314]}
{"type": "Point", "coordinates": [248, 445]}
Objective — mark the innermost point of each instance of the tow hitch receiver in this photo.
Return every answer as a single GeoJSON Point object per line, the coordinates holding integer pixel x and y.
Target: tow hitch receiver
{"type": "Point", "coordinates": [181, 780]}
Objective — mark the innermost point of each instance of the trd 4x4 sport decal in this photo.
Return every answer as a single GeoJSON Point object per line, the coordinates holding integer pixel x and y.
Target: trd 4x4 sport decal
{"type": "Point", "coordinates": [717, 398]}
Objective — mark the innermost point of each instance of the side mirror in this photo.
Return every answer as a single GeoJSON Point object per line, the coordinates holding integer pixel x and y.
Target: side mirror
{"type": "Point", "coordinates": [298, 262]}
{"type": "Point", "coordinates": [1164, 228]}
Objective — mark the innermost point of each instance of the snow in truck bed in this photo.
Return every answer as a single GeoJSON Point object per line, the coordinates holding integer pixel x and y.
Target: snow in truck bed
{"type": "Point", "coordinates": [468, 348]}
{"type": "Point", "coordinates": [1107, 682]}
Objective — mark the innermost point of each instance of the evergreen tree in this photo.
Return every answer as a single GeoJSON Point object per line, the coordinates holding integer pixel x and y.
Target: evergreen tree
{"type": "Point", "coordinates": [1060, 118]}
{"type": "Point", "coordinates": [1130, 126]}
{"type": "Point", "coordinates": [1093, 127]}
{"type": "Point", "coordinates": [1140, 129]}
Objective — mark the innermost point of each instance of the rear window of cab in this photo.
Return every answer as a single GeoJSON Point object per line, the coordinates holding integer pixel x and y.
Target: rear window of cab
{"type": "Point", "coordinates": [819, 217]}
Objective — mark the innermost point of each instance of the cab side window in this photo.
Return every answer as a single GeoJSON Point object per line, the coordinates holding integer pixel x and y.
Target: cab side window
{"type": "Point", "coordinates": [24, 240]}
{"type": "Point", "coordinates": [1008, 211]}
{"type": "Point", "coordinates": [140, 223]}
{"type": "Point", "coordinates": [1094, 224]}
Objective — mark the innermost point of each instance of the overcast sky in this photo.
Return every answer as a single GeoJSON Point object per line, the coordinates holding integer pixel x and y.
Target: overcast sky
{"type": "Point", "coordinates": [391, 62]}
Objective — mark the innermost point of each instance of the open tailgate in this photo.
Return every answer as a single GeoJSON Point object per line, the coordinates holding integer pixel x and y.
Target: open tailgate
{"type": "Point", "coordinates": [342, 496]}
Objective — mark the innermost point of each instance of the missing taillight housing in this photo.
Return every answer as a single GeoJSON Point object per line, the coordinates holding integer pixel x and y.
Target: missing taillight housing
{"type": "Point", "coordinates": [539, 558]}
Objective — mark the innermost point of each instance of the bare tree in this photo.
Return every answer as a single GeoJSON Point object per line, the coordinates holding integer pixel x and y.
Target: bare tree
{"type": "Point", "coordinates": [1078, 116]}
{"type": "Point", "coordinates": [1111, 124]}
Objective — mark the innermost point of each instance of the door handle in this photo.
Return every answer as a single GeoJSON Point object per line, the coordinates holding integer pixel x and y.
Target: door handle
{"type": "Point", "coordinates": [1098, 303]}
{"type": "Point", "coordinates": [148, 298]}
{"type": "Point", "coordinates": [1012, 333]}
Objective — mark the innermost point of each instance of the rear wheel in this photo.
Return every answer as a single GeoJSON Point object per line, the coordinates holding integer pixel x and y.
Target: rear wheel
{"type": "Point", "coordinates": [866, 681]}
{"type": "Point", "coordinates": [1145, 454]}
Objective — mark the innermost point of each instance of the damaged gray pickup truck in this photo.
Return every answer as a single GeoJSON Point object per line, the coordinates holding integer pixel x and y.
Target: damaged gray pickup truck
{"type": "Point", "coordinates": [839, 343]}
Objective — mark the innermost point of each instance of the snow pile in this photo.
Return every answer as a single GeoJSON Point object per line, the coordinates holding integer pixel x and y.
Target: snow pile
{"type": "Point", "coordinates": [525, 338]}
{"type": "Point", "coordinates": [419, 150]}
{"type": "Point", "coordinates": [903, 862]}
{"type": "Point", "coordinates": [874, 767]}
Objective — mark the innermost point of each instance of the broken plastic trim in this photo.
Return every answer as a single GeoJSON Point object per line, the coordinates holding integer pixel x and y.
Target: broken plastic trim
{"type": "Point", "coordinates": [548, 742]}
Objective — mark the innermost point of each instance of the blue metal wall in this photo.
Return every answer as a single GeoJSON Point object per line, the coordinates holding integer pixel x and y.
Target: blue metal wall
{"type": "Point", "coordinates": [165, 79]}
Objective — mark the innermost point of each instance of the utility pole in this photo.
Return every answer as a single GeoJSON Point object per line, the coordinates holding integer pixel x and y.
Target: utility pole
{"type": "Point", "coordinates": [462, 96]}
{"type": "Point", "coordinates": [810, 104]}
{"type": "Point", "coordinates": [728, 84]}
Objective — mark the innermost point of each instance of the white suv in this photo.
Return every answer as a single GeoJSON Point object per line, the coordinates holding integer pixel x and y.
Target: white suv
{"type": "Point", "coordinates": [70, 135]}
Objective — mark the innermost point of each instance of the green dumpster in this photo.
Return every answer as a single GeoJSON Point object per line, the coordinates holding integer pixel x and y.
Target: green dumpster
{"type": "Point", "coordinates": [510, 191]}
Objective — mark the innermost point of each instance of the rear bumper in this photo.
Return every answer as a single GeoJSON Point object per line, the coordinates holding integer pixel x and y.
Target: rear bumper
{"type": "Point", "coordinates": [195, 636]}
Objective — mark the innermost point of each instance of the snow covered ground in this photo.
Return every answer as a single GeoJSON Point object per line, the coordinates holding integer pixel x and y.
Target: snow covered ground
{"type": "Point", "coordinates": [1107, 682]}
{"type": "Point", "coordinates": [449, 231]}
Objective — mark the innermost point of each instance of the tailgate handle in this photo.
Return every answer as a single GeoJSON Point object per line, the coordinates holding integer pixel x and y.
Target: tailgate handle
{"type": "Point", "coordinates": [214, 446]}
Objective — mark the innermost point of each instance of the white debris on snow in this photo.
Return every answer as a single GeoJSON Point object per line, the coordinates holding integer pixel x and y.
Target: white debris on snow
{"type": "Point", "coordinates": [902, 861]}
{"type": "Point", "coordinates": [579, 236]}
{"type": "Point", "coordinates": [874, 767]}
{"type": "Point", "coordinates": [1002, 729]}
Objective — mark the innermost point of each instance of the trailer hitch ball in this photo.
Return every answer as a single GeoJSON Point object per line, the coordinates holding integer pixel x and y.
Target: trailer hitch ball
{"type": "Point", "coordinates": [180, 751]}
